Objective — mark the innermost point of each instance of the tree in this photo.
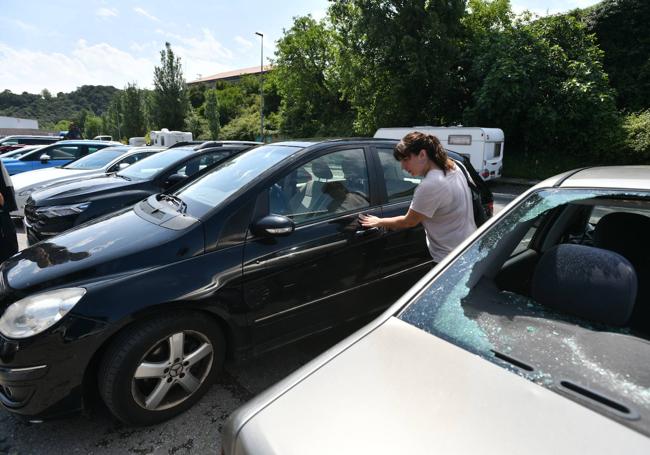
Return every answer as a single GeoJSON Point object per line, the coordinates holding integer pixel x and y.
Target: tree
{"type": "Point", "coordinates": [133, 112]}
{"type": "Point", "coordinates": [212, 113]}
{"type": "Point", "coordinates": [622, 28]}
{"type": "Point", "coordinates": [544, 85]}
{"type": "Point", "coordinates": [306, 79]}
{"type": "Point", "coordinates": [93, 126]}
{"type": "Point", "coordinates": [45, 93]}
{"type": "Point", "coordinates": [113, 118]}
{"type": "Point", "coordinates": [396, 59]}
{"type": "Point", "coordinates": [170, 92]}
{"type": "Point", "coordinates": [194, 123]}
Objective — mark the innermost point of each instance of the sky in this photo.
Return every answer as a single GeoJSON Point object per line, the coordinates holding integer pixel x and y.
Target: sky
{"type": "Point", "coordinates": [68, 43]}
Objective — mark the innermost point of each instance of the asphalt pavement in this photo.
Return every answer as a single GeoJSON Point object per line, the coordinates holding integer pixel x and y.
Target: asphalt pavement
{"type": "Point", "coordinates": [196, 431]}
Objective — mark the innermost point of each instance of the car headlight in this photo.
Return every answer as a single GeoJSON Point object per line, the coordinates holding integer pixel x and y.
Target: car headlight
{"type": "Point", "coordinates": [62, 210]}
{"type": "Point", "coordinates": [36, 313]}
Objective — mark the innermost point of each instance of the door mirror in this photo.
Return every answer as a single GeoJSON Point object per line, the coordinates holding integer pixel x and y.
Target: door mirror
{"type": "Point", "coordinates": [273, 226]}
{"type": "Point", "coordinates": [45, 158]}
{"type": "Point", "coordinates": [174, 179]}
{"type": "Point", "coordinates": [123, 166]}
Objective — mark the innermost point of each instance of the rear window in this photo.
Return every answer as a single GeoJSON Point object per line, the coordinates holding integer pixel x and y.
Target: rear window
{"type": "Point", "coordinates": [556, 291]}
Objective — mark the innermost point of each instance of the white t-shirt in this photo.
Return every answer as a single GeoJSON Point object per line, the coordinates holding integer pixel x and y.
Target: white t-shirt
{"type": "Point", "coordinates": [446, 202]}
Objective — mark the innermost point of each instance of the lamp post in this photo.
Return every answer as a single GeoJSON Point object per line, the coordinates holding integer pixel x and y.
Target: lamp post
{"type": "Point", "coordinates": [261, 35]}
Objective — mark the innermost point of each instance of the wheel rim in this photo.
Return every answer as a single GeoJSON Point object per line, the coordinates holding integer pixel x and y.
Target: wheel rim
{"type": "Point", "coordinates": [172, 370]}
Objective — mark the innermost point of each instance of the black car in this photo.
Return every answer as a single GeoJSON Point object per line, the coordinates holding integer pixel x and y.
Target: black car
{"type": "Point", "coordinates": [50, 211]}
{"type": "Point", "coordinates": [144, 305]}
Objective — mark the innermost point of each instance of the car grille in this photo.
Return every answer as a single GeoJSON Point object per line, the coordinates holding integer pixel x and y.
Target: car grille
{"type": "Point", "coordinates": [40, 227]}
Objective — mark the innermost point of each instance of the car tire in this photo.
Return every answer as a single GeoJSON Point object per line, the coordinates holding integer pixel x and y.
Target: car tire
{"type": "Point", "coordinates": [159, 368]}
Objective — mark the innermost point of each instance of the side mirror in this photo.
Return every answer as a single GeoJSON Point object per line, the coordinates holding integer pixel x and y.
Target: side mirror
{"type": "Point", "coordinates": [273, 225]}
{"type": "Point", "coordinates": [174, 179]}
{"type": "Point", "coordinates": [45, 158]}
{"type": "Point", "coordinates": [123, 166]}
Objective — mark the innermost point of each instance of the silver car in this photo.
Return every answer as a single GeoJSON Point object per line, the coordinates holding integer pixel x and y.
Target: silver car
{"type": "Point", "coordinates": [533, 336]}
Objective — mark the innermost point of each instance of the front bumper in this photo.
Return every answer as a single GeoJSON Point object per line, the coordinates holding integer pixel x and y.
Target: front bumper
{"type": "Point", "coordinates": [43, 377]}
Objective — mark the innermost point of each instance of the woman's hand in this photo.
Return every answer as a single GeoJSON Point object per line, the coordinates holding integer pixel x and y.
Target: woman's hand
{"type": "Point", "coordinates": [369, 221]}
{"type": "Point", "coordinates": [2, 200]}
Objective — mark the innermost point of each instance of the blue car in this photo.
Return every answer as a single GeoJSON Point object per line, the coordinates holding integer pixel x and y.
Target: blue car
{"type": "Point", "coordinates": [57, 154]}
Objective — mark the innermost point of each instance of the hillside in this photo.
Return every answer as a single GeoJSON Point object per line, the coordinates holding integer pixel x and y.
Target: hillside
{"type": "Point", "coordinates": [48, 109]}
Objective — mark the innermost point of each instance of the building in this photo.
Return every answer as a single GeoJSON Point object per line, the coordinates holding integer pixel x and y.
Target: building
{"type": "Point", "coordinates": [15, 125]}
{"type": "Point", "coordinates": [230, 76]}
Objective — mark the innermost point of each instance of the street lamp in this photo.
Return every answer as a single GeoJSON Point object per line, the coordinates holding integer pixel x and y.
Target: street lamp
{"type": "Point", "coordinates": [261, 35]}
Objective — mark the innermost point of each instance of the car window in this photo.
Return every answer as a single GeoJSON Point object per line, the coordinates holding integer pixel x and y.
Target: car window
{"type": "Point", "coordinates": [400, 185]}
{"type": "Point", "coordinates": [200, 162]}
{"type": "Point", "coordinates": [96, 160]}
{"type": "Point", "coordinates": [145, 169]}
{"type": "Point", "coordinates": [330, 184]}
{"type": "Point", "coordinates": [60, 152]}
{"type": "Point", "coordinates": [573, 316]}
{"type": "Point", "coordinates": [211, 189]}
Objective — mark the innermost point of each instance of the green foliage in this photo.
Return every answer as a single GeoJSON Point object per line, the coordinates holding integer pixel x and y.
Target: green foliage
{"type": "Point", "coordinates": [93, 126]}
{"type": "Point", "coordinates": [231, 99]}
{"type": "Point", "coordinates": [305, 78]}
{"type": "Point", "coordinates": [396, 60]}
{"type": "Point", "coordinates": [245, 127]}
{"type": "Point", "coordinates": [544, 85]}
{"type": "Point", "coordinates": [170, 92]}
{"type": "Point", "coordinates": [133, 112]}
{"type": "Point", "coordinates": [637, 131]}
{"type": "Point", "coordinates": [195, 124]}
{"type": "Point", "coordinates": [622, 28]}
{"type": "Point", "coordinates": [212, 113]}
{"type": "Point", "coordinates": [113, 118]}
{"type": "Point", "coordinates": [48, 110]}
{"type": "Point", "coordinates": [196, 95]}
{"type": "Point", "coordinates": [62, 125]}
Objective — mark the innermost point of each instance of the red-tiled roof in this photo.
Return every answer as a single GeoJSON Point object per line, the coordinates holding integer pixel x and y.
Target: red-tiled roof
{"type": "Point", "coordinates": [232, 74]}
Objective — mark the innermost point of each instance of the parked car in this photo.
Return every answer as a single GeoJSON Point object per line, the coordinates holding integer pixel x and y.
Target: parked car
{"type": "Point", "coordinates": [54, 209]}
{"type": "Point", "coordinates": [8, 141]}
{"type": "Point", "coordinates": [532, 336]}
{"type": "Point", "coordinates": [103, 138]}
{"type": "Point", "coordinates": [105, 161]}
{"type": "Point", "coordinates": [19, 151]}
{"type": "Point", "coordinates": [145, 304]}
{"type": "Point", "coordinates": [57, 154]}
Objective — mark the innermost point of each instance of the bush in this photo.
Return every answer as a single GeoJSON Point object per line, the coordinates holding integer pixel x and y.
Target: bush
{"type": "Point", "coordinates": [637, 137]}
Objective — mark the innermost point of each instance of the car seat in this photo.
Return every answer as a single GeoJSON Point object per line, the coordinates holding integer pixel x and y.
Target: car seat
{"type": "Point", "coordinates": [592, 283]}
{"type": "Point", "coordinates": [314, 188]}
{"type": "Point", "coordinates": [627, 234]}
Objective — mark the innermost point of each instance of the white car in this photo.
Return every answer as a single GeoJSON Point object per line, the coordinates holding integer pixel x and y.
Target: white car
{"type": "Point", "coordinates": [533, 336]}
{"type": "Point", "coordinates": [110, 159]}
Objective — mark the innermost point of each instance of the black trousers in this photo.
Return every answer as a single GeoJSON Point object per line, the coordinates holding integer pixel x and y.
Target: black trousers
{"type": "Point", "coordinates": [8, 239]}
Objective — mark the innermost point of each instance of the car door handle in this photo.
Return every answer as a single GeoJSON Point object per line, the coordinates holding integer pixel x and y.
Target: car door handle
{"type": "Point", "coordinates": [367, 232]}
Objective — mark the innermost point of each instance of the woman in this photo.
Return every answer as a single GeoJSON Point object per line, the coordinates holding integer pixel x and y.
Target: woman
{"type": "Point", "coordinates": [442, 201]}
{"type": "Point", "coordinates": [8, 240]}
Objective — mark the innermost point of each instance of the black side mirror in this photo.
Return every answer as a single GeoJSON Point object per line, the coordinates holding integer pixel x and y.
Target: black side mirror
{"type": "Point", "coordinates": [45, 158]}
{"type": "Point", "coordinates": [273, 226]}
{"type": "Point", "coordinates": [174, 179]}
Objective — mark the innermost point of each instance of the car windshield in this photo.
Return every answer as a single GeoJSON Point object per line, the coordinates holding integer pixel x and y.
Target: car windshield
{"type": "Point", "coordinates": [550, 293]}
{"type": "Point", "coordinates": [149, 168]}
{"type": "Point", "coordinates": [212, 189]}
{"type": "Point", "coordinates": [98, 159]}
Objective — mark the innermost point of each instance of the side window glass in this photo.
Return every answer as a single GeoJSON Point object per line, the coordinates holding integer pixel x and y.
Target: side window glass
{"type": "Point", "coordinates": [330, 184]}
{"type": "Point", "coordinates": [67, 152]}
{"type": "Point", "coordinates": [93, 149]}
{"type": "Point", "coordinates": [400, 184]}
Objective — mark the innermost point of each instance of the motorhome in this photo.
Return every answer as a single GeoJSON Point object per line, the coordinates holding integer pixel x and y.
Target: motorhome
{"type": "Point", "coordinates": [165, 138]}
{"type": "Point", "coordinates": [483, 146]}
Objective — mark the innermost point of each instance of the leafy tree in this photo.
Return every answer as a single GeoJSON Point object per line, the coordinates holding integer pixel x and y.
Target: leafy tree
{"type": "Point", "coordinates": [133, 111]}
{"type": "Point", "coordinates": [62, 125]}
{"type": "Point", "coordinates": [397, 59]}
{"type": "Point", "coordinates": [544, 85]}
{"type": "Point", "coordinates": [93, 126]}
{"type": "Point", "coordinates": [245, 127]}
{"type": "Point", "coordinates": [622, 28]}
{"type": "Point", "coordinates": [113, 118]}
{"type": "Point", "coordinates": [212, 113]}
{"type": "Point", "coordinates": [196, 95]}
{"type": "Point", "coordinates": [45, 93]}
{"type": "Point", "coordinates": [194, 123]}
{"type": "Point", "coordinates": [306, 78]}
{"type": "Point", "coordinates": [231, 99]}
{"type": "Point", "coordinates": [170, 92]}
{"type": "Point", "coordinates": [637, 129]}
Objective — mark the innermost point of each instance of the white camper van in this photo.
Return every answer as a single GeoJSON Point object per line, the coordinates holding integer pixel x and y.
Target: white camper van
{"type": "Point", "coordinates": [166, 138]}
{"type": "Point", "coordinates": [483, 146]}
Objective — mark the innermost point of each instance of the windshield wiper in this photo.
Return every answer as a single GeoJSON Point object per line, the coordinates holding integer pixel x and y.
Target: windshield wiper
{"type": "Point", "coordinates": [182, 206]}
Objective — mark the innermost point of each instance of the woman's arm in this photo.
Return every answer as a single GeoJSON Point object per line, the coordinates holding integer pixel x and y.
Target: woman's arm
{"type": "Point", "coordinates": [411, 219]}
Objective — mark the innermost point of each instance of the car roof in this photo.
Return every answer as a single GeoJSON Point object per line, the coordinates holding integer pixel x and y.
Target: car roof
{"type": "Point", "coordinates": [622, 177]}
{"type": "Point", "coordinates": [87, 141]}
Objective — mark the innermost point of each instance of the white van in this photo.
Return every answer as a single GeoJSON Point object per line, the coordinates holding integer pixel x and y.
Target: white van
{"type": "Point", "coordinates": [166, 138]}
{"type": "Point", "coordinates": [483, 146]}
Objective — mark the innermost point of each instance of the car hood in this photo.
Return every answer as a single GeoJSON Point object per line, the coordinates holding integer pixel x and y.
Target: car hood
{"type": "Point", "coordinates": [86, 188]}
{"type": "Point", "coordinates": [402, 390]}
{"type": "Point", "coordinates": [101, 248]}
{"type": "Point", "coordinates": [49, 175]}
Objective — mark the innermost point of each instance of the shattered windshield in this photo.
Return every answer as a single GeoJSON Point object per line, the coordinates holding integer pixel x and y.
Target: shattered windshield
{"type": "Point", "coordinates": [555, 292]}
